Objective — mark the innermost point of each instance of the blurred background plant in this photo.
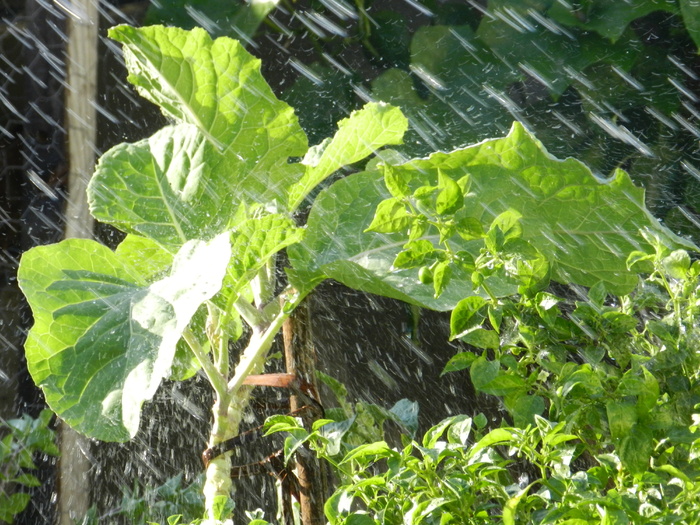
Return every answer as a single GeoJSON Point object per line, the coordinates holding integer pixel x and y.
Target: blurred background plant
{"type": "Point", "coordinates": [22, 440]}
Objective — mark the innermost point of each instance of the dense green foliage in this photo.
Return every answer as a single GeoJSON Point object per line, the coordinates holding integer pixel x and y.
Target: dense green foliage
{"type": "Point", "coordinates": [579, 306]}
{"type": "Point", "coordinates": [612, 83]}
{"type": "Point", "coordinates": [22, 440]}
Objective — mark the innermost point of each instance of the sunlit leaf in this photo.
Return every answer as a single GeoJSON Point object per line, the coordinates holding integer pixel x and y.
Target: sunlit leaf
{"type": "Point", "coordinates": [216, 86]}
{"type": "Point", "coordinates": [464, 316]}
{"type": "Point", "coordinates": [171, 187]}
{"type": "Point", "coordinates": [103, 337]}
{"type": "Point", "coordinates": [461, 361]}
{"type": "Point", "coordinates": [391, 217]}
{"type": "Point", "coordinates": [358, 136]}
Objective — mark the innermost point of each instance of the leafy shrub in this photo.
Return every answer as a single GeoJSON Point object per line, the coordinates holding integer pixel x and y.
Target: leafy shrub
{"type": "Point", "coordinates": [463, 474]}
{"type": "Point", "coordinates": [23, 438]}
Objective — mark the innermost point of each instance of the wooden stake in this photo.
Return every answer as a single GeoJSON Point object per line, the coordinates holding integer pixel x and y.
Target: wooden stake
{"type": "Point", "coordinates": [80, 119]}
{"type": "Point", "coordinates": [300, 358]}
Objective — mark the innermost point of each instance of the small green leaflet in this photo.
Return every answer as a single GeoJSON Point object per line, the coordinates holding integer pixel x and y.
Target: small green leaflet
{"type": "Point", "coordinates": [104, 338]}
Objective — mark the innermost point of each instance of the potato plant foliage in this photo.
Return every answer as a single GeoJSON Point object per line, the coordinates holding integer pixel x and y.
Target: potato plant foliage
{"type": "Point", "coordinates": [208, 202]}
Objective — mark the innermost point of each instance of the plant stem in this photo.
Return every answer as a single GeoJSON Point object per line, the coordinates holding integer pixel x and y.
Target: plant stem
{"type": "Point", "coordinates": [253, 357]}
{"type": "Point", "coordinates": [217, 380]}
{"type": "Point", "coordinates": [248, 312]}
{"type": "Point", "coordinates": [218, 484]}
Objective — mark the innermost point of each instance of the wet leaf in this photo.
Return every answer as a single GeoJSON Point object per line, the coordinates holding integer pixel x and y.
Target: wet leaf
{"type": "Point", "coordinates": [358, 136]}
{"type": "Point", "coordinates": [332, 247]}
{"type": "Point", "coordinates": [482, 338]}
{"type": "Point", "coordinates": [391, 217]}
{"type": "Point", "coordinates": [216, 86]}
{"type": "Point", "coordinates": [636, 448]}
{"type": "Point", "coordinates": [449, 198]}
{"type": "Point", "coordinates": [622, 416]}
{"type": "Point", "coordinates": [253, 243]}
{"type": "Point", "coordinates": [172, 187]}
{"type": "Point", "coordinates": [464, 316]}
{"type": "Point", "coordinates": [565, 211]}
{"type": "Point", "coordinates": [525, 408]}
{"type": "Point", "coordinates": [369, 452]}
{"type": "Point", "coordinates": [442, 274]}
{"type": "Point", "coordinates": [504, 385]}
{"type": "Point", "coordinates": [483, 371]}
{"type": "Point", "coordinates": [103, 337]}
{"type": "Point", "coordinates": [461, 361]}
{"type": "Point", "coordinates": [415, 253]}
{"type": "Point", "coordinates": [677, 264]}
{"type": "Point", "coordinates": [395, 184]}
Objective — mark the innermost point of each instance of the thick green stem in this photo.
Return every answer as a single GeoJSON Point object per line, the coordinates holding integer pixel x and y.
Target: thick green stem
{"type": "Point", "coordinates": [217, 484]}
{"type": "Point", "coordinates": [217, 380]}
{"type": "Point", "coordinates": [253, 357]}
{"type": "Point", "coordinates": [228, 409]}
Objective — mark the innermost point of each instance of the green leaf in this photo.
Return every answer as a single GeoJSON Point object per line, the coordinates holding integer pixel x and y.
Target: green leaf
{"type": "Point", "coordinates": [461, 361]}
{"type": "Point", "coordinates": [395, 184]}
{"type": "Point", "coordinates": [525, 408]}
{"type": "Point", "coordinates": [482, 338]}
{"type": "Point", "coordinates": [391, 217]}
{"type": "Point", "coordinates": [172, 187]}
{"type": "Point", "coordinates": [466, 315]}
{"type": "Point", "coordinates": [103, 337]}
{"type": "Point", "coordinates": [510, 508]}
{"type": "Point", "coordinates": [434, 433]}
{"type": "Point", "coordinates": [533, 274]}
{"type": "Point", "coordinates": [365, 131]}
{"type": "Point", "coordinates": [483, 371]}
{"type": "Point", "coordinates": [597, 294]}
{"type": "Point", "coordinates": [691, 17]}
{"type": "Point", "coordinates": [368, 451]}
{"type": "Point", "coordinates": [449, 198]}
{"type": "Point", "coordinates": [215, 85]}
{"type": "Point", "coordinates": [13, 504]}
{"type": "Point", "coordinates": [495, 437]}
{"type": "Point", "coordinates": [504, 228]}
{"type": "Point", "coordinates": [469, 228]}
{"type": "Point", "coordinates": [357, 518]}
{"type": "Point", "coordinates": [622, 416]}
{"type": "Point", "coordinates": [253, 243]}
{"type": "Point", "coordinates": [442, 274]}
{"type": "Point", "coordinates": [677, 264]}
{"type": "Point", "coordinates": [554, 199]}
{"type": "Point", "coordinates": [502, 385]}
{"type": "Point", "coordinates": [649, 394]}
{"type": "Point", "coordinates": [636, 448]}
{"type": "Point", "coordinates": [28, 480]}
{"type": "Point", "coordinates": [414, 254]}
{"type": "Point", "coordinates": [332, 247]}
{"type": "Point", "coordinates": [148, 256]}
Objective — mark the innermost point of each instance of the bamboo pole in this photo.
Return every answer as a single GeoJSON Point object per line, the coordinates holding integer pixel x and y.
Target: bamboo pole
{"type": "Point", "coordinates": [81, 81]}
